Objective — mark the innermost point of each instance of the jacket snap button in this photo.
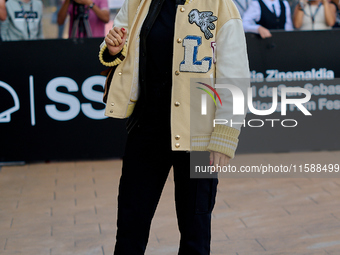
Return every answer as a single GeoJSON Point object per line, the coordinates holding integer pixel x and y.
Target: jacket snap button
{"type": "Point", "coordinates": [120, 73]}
{"type": "Point", "coordinates": [179, 40]}
{"type": "Point", "coordinates": [112, 104]}
{"type": "Point", "coordinates": [177, 73]}
{"type": "Point", "coordinates": [182, 9]}
{"type": "Point", "coordinates": [177, 104]}
{"type": "Point", "coordinates": [111, 111]}
{"type": "Point", "coordinates": [177, 145]}
{"type": "Point", "coordinates": [177, 137]}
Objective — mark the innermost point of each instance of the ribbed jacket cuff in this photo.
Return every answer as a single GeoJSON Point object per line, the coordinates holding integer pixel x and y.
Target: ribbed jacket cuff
{"type": "Point", "coordinates": [200, 143]}
{"type": "Point", "coordinates": [107, 60]}
{"type": "Point", "coordinates": [224, 139]}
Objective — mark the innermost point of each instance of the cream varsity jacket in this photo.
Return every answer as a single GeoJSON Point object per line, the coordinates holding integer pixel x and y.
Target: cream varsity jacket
{"type": "Point", "coordinates": [209, 45]}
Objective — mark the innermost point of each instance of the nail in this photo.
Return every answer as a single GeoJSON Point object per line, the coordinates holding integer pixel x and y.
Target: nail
{"type": "Point", "coordinates": [123, 29]}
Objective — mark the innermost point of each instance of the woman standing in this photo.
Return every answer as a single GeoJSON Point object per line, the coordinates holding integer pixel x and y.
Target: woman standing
{"type": "Point", "coordinates": [156, 47]}
{"type": "Point", "coordinates": [314, 15]}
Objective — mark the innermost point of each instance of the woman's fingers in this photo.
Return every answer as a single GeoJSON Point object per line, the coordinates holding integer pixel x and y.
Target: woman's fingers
{"type": "Point", "coordinates": [115, 40]}
{"type": "Point", "coordinates": [119, 31]}
{"type": "Point", "coordinates": [124, 35]}
{"type": "Point", "coordinates": [226, 160]}
{"type": "Point", "coordinates": [113, 35]}
{"type": "Point", "coordinates": [211, 157]}
{"type": "Point", "coordinates": [116, 37]}
{"type": "Point", "coordinates": [218, 159]}
{"type": "Point", "coordinates": [109, 42]}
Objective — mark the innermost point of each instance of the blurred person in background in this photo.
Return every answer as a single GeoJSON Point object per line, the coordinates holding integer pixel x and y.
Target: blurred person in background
{"type": "Point", "coordinates": [314, 15]}
{"type": "Point", "coordinates": [58, 4]}
{"type": "Point", "coordinates": [3, 12]}
{"type": "Point", "coordinates": [23, 20]}
{"type": "Point", "coordinates": [265, 15]}
{"type": "Point", "coordinates": [98, 15]}
{"type": "Point", "coordinates": [337, 19]}
{"type": "Point", "coordinates": [242, 5]}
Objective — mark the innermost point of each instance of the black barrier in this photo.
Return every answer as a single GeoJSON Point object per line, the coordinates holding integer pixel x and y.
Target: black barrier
{"type": "Point", "coordinates": [59, 110]}
{"type": "Point", "coordinates": [51, 91]}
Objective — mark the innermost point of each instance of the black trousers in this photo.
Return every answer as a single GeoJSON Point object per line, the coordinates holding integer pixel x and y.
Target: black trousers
{"type": "Point", "coordinates": [146, 165]}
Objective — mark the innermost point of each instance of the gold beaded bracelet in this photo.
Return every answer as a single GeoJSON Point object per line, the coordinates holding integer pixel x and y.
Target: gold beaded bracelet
{"type": "Point", "coordinates": [117, 61]}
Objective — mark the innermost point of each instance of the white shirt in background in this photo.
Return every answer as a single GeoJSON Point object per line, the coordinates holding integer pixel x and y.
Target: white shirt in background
{"type": "Point", "coordinates": [319, 18]}
{"type": "Point", "coordinates": [253, 14]}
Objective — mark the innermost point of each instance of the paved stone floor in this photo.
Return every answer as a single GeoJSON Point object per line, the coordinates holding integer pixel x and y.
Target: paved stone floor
{"type": "Point", "coordinates": [70, 208]}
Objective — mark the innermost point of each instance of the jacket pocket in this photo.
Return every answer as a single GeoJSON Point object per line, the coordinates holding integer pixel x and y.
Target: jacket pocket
{"type": "Point", "coordinates": [205, 195]}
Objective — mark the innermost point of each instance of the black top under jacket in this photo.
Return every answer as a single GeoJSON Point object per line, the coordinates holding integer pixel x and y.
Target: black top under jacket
{"type": "Point", "coordinates": [155, 64]}
{"type": "Point", "coordinates": [269, 20]}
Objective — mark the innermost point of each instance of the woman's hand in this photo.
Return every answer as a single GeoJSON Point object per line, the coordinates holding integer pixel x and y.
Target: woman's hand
{"type": "Point", "coordinates": [217, 158]}
{"type": "Point", "coordinates": [115, 40]}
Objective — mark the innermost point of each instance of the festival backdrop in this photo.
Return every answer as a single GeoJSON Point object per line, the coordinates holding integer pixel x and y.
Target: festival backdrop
{"type": "Point", "coordinates": [51, 98]}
